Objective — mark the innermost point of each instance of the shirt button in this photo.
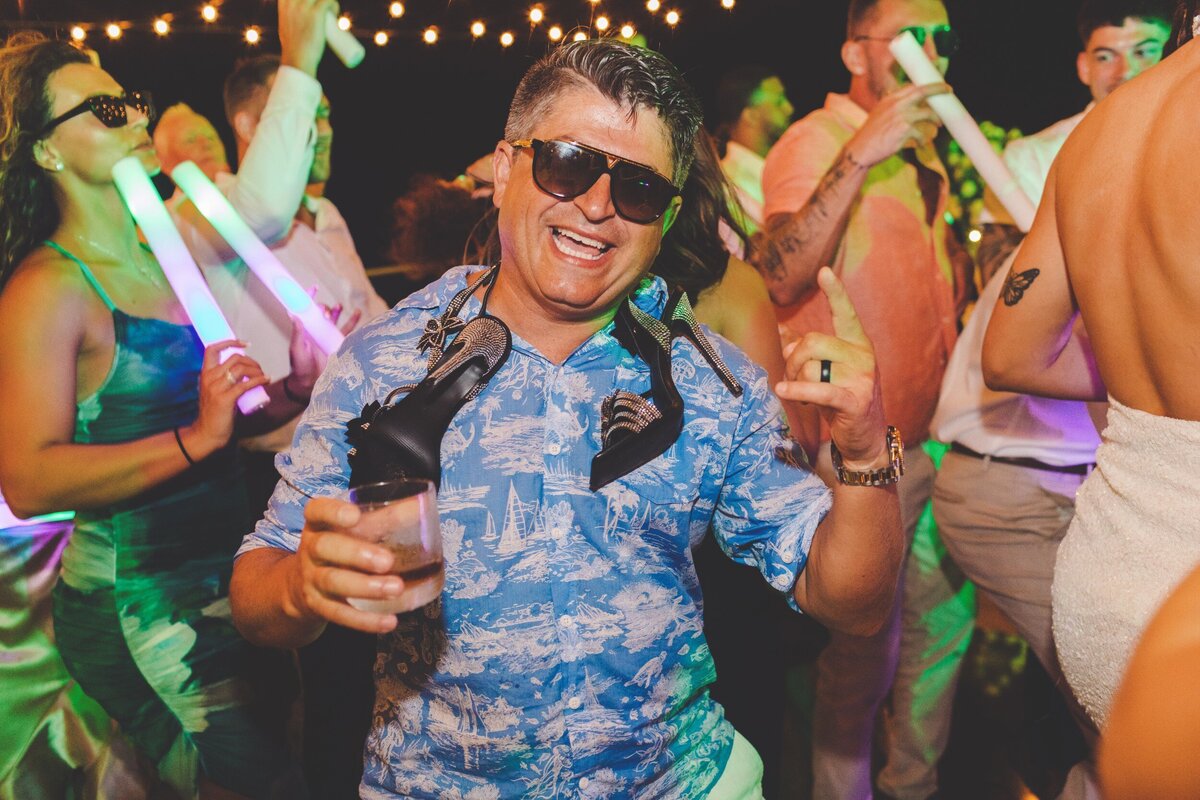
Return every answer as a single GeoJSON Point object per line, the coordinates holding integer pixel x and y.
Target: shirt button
{"type": "Point", "coordinates": [574, 702]}
{"type": "Point", "coordinates": [583, 783]}
{"type": "Point", "coordinates": [554, 448]}
{"type": "Point", "coordinates": [567, 621]}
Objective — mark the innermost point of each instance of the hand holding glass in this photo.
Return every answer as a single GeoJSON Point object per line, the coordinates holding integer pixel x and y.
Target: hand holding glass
{"type": "Point", "coordinates": [401, 515]}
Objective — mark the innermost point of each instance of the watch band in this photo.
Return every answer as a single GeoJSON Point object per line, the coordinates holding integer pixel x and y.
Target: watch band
{"type": "Point", "coordinates": [885, 476]}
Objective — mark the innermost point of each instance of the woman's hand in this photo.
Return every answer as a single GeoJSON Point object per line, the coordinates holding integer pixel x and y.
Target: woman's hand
{"type": "Point", "coordinates": [307, 359]}
{"type": "Point", "coordinates": [221, 384]}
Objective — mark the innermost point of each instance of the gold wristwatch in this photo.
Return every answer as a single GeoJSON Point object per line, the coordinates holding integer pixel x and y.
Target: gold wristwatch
{"type": "Point", "coordinates": [876, 477]}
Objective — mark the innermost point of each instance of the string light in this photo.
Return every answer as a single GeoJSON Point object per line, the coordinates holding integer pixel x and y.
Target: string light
{"type": "Point", "coordinates": [627, 31]}
{"type": "Point", "coordinates": [602, 24]}
{"type": "Point", "coordinates": [208, 12]}
{"type": "Point", "coordinates": [430, 35]}
{"type": "Point", "coordinates": [161, 26]}
{"type": "Point", "coordinates": [579, 36]}
{"type": "Point", "coordinates": [727, 4]}
{"type": "Point", "coordinates": [113, 30]}
{"type": "Point", "coordinates": [344, 22]}
{"type": "Point", "coordinates": [536, 15]}
{"type": "Point", "coordinates": [653, 6]}
{"type": "Point", "coordinates": [506, 39]}
{"type": "Point", "coordinates": [672, 18]}
{"type": "Point", "coordinates": [975, 236]}
{"type": "Point", "coordinates": [381, 38]}
{"type": "Point", "coordinates": [396, 10]}
{"type": "Point", "coordinates": [78, 33]}
{"type": "Point", "coordinates": [555, 33]}
{"type": "Point", "coordinates": [478, 28]}
{"type": "Point", "coordinates": [253, 35]}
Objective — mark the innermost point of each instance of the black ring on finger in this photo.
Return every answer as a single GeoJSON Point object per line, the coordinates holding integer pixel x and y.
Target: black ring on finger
{"type": "Point", "coordinates": [826, 369]}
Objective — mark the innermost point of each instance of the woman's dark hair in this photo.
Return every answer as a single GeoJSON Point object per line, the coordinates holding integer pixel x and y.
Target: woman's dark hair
{"type": "Point", "coordinates": [28, 211]}
{"type": "Point", "coordinates": [735, 91]}
{"type": "Point", "coordinates": [693, 255]}
{"type": "Point", "coordinates": [437, 225]}
{"type": "Point", "coordinates": [1181, 32]}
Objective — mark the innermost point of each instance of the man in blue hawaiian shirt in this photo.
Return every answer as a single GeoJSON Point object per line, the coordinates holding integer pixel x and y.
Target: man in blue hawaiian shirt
{"type": "Point", "coordinates": [566, 657]}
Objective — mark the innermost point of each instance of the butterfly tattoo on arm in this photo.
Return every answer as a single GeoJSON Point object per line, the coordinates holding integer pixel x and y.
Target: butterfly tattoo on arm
{"type": "Point", "coordinates": [1017, 283]}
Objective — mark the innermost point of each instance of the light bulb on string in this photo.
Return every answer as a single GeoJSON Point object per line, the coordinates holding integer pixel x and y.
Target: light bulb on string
{"type": "Point", "coordinates": [627, 31]}
{"type": "Point", "coordinates": [430, 35]}
{"type": "Point", "coordinates": [381, 38]}
{"type": "Point", "coordinates": [396, 10]}
{"type": "Point", "coordinates": [672, 18]}
{"type": "Point", "coordinates": [161, 26]}
{"type": "Point", "coordinates": [602, 23]}
{"type": "Point", "coordinates": [579, 36]}
{"type": "Point", "coordinates": [78, 34]}
{"type": "Point", "coordinates": [113, 30]}
{"type": "Point", "coordinates": [252, 35]}
{"type": "Point", "coordinates": [653, 6]}
{"type": "Point", "coordinates": [555, 33]}
{"type": "Point", "coordinates": [478, 28]}
{"type": "Point", "coordinates": [208, 12]}
{"type": "Point", "coordinates": [536, 15]}
{"type": "Point", "coordinates": [728, 4]}
{"type": "Point", "coordinates": [506, 39]}
{"type": "Point", "coordinates": [344, 22]}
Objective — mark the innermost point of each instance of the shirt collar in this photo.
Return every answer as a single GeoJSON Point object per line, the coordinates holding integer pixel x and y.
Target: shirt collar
{"type": "Point", "coordinates": [848, 111]}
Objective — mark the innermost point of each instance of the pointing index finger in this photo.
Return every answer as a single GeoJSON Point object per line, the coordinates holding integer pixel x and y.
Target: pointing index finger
{"type": "Point", "coordinates": [846, 324]}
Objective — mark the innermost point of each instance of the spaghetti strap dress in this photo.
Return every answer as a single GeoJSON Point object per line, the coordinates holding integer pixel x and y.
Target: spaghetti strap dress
{"type": "Point", "coordinates": [141, 611]}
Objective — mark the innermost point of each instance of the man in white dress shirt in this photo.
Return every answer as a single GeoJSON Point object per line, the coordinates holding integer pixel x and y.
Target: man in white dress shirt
{"type": "Point", "coordinates": [1005, 494]}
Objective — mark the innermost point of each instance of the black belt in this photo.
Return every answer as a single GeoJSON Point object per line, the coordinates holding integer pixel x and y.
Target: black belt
{"type": "Point", "coordinates": [1030, 463]}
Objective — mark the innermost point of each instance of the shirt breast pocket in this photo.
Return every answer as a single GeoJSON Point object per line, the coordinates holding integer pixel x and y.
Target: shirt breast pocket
{"type": "Point", "coordinates": [673, 508]}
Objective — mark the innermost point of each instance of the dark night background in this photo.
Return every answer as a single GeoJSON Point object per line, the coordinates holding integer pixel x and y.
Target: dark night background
{"type": "Point", "coordinates": [415, 108]}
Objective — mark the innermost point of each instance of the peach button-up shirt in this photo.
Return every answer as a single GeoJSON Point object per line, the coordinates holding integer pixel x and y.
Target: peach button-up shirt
{"type": "Point", "coordinates": [893, 258]}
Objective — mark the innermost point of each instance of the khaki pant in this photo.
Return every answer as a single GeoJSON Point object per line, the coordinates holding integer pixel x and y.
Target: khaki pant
{"type": "Point", "coordinates": [1002, 524]}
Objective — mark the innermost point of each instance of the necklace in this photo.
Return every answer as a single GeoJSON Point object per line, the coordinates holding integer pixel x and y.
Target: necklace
{"type": "Point", "coordinates": [154, 276]}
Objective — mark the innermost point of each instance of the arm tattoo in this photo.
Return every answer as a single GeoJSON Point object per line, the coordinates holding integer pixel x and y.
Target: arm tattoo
{"type": "Point", "coordinates": [1017, 283]}
{"type": "Point", "coordinates": [797, 231]}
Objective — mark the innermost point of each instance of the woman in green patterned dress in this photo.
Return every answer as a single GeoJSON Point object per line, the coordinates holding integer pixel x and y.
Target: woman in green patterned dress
{"type": "Point", "coordinates": [110, 405]}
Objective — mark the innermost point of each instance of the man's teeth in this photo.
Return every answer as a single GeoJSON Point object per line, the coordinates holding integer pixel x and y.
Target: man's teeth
{"type": "Point", "coordinates": [592, 249]}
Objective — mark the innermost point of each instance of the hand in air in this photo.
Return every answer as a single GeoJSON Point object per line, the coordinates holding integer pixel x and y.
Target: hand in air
{"type": "Point", "coordinates": [901, 119]}
{"type": "Point", "coordinates": [850, 401]}
{"type": "Point", "coordinates": [221, 384]}
{"type": "Point", "coordinates": [307, 359]}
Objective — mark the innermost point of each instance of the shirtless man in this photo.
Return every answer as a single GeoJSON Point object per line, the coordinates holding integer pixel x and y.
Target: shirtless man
{"type": "Point", "coordinates": [1118, 247]}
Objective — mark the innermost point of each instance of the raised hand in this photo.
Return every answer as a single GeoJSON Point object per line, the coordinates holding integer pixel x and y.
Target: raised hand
{"type": "Point", "coordinates": [332, 564]}
{"type": "Point", "coordinates": [302, 32]}
{"type": "Point", "coordinates": [850, 401]}
{"type": "Point", "coordinates": [221, 384]}
{"type": "Point", "coordinates": [901, 119]}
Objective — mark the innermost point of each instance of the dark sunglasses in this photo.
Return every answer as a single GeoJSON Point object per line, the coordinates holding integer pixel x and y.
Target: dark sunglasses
{"type": "Point", "coordinates": [108, 108]}
{"type": "Point", "coordinates": [946, 40]}
{"type": "Point", "coordinates": [566, 170]}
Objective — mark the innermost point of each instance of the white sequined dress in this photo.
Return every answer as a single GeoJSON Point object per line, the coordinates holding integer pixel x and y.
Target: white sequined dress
{"type": "Point", "coordinates": [1135, 536]}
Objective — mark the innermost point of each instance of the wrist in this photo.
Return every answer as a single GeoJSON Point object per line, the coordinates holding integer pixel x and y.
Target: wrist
{"type": "Point", "coordinates": [871, 469]}
{"type": "Point", "coordinates": [296, 392]}
{"type": "Point", "coordinates": [196, 444]}
{"type": "Point", "coordinates": [857, 162]}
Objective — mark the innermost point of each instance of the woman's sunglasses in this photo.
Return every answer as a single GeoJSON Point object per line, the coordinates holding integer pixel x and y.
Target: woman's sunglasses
{"type": "Point", "coordinates": [108, 108]}
{"type": "Point", "coordinates": [946, 40]}
{"type": "Point", "coordinates": [566, 170]}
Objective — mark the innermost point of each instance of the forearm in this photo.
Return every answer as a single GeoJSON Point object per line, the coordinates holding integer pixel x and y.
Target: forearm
{"type": "Point", "coordinates": [274, 171]}
{"type": "Point", "coordinates": [1068, 372]}
{"type": "Point", "coordinates": [61, 477]}
{"type": "Point", "coordinates": [849, 580]}
{"type": "Point", "coordinates": [260, 597]}
{"type": "Point", "coordinates": [798, 244]}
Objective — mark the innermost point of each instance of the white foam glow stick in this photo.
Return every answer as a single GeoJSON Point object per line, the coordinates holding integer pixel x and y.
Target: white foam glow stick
{"type": "Point", "coordinates": [265, 264]}
{"type": "Point", "coordinates": [964, 129]}
{"type": "Point", "coordinates": [343, 44]}
{"type": "Point", "coordinates": [177, 264]}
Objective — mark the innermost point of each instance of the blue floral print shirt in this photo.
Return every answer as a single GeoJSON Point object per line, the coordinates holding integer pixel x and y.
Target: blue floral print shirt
{"type": "Point", "coordinates": [566, 657]}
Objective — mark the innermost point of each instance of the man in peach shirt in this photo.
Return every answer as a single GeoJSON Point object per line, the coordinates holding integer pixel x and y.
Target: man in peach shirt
{"type": "Point", "coordinates": [857, 185]}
